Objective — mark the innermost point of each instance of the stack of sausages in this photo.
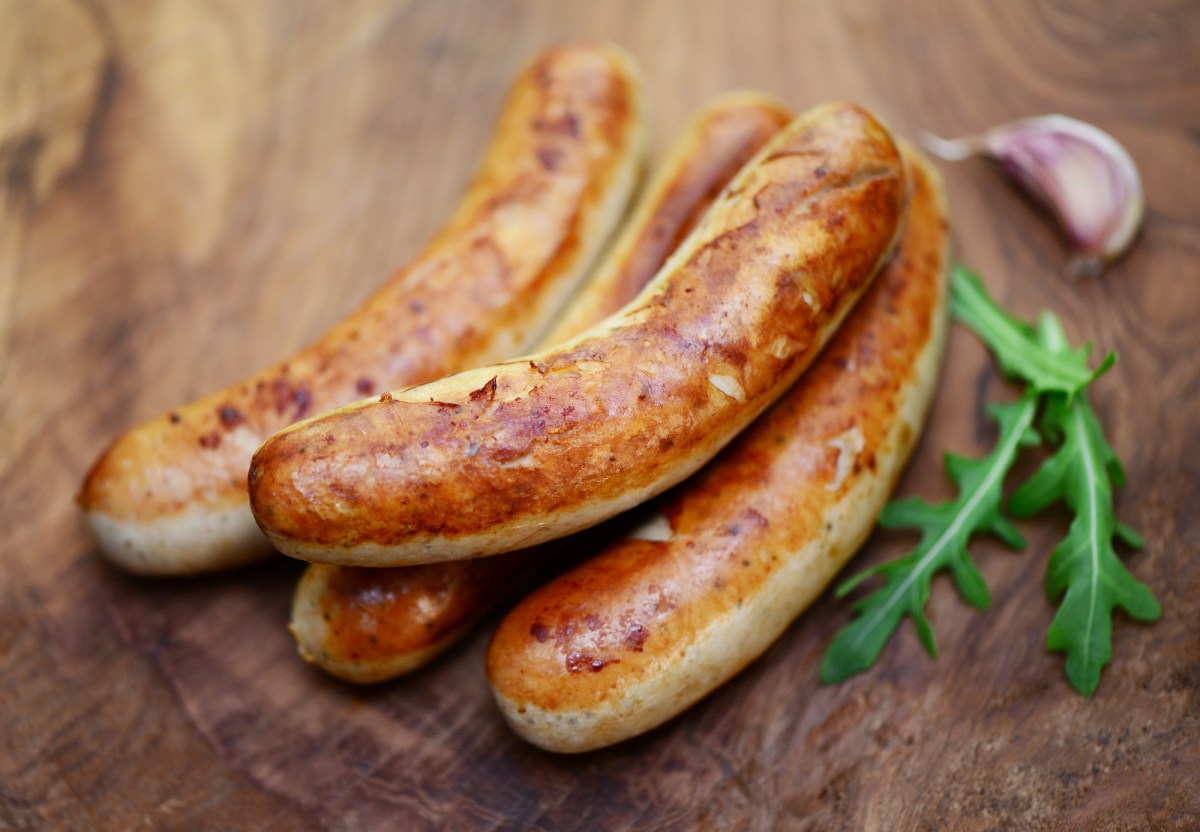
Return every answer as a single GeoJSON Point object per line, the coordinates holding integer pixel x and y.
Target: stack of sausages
{"type": "Point", "coordinates": [759, 337]}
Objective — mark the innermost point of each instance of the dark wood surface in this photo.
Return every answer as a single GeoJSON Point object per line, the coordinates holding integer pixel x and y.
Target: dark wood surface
{"type": "Point", "coordinates": [189, 190]}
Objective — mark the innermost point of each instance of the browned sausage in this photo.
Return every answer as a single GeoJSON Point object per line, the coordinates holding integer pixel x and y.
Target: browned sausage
{"type": "Point", "coordinates": [727, 561]}
{"type": "Point", "coordinates": [367, 625]}
{"type": "Point", "coordinates": [518, 453]}
{"type": "Point", "coordinates": [169, 497]}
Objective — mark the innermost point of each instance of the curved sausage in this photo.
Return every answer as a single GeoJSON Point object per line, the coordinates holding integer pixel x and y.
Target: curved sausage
{"type": "Point", "coordinates": [368, 625]}
{"type": "Point", "coordinates": [725, 563]}
{"type": "Point", "coordinates": [514, 454]}
{"type": "Point", "coordinates": [169, 497]}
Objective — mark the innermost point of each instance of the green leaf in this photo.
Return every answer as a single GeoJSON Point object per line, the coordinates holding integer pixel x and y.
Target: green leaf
{"type": "Point", "coordinates": [1007, 533]}
{"type": "Point", "coordinates": [970, 580]}
{"type": "Point", "coordinates": [946, 528]}
{"type": "Point", "coordinates": [925, 633]}
{"type": "Point", "coordinates": [1015, 344]}
{"type": "Point", "coordinates": [1129, 536]}
{"type": "Point", "coordinates": [1084, 570]}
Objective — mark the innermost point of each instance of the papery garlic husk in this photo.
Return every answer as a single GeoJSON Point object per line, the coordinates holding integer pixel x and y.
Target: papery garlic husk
{"type": "Point", "coordinates": [1081, 173]}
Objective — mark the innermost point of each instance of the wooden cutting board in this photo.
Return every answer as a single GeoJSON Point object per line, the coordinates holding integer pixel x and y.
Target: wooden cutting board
{"type": "Point", "coordinates": [189, 190]}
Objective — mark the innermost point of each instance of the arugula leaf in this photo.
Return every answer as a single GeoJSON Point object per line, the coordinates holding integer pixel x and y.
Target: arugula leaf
{"type": "Point", "coordinates": [1014, 344]}
{"type": "Point", "coordinates": [946, 529]}
{"type": "Point", "coordinates": [1084, 569]}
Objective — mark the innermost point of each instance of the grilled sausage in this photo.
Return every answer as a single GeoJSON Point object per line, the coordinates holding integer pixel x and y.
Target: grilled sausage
{"type": "Point", "coordinates": [368, 625]}
{"type": "Point", "coordinates": [169, 497]}
{"type": "Point", "coordinates": [727, 561]}
{"type": "Point", "coordinates": [511, 455]}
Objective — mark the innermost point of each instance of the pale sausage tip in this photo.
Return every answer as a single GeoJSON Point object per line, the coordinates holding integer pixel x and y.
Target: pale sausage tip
{"type": "Point", "coordinates": [559, 171]}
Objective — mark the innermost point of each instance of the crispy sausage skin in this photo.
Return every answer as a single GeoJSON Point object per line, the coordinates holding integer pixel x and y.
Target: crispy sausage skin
{"type": "Point", "coordinates": [711, 149]}
{"type": "Point", "coordinates": [726, 562]}
{"type": "Point", "coordinates": [368, 625]}
{"type": "Point", "coordinates": [514, 454]}
{"type": "Point", "coordinates": [169, 497]}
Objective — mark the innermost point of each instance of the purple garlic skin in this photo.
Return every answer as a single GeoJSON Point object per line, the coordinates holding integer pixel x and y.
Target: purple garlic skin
{"type": "Point", "coordinates": [1081, 173]}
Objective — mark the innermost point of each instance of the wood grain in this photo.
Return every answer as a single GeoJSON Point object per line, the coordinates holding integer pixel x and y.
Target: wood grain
{"type": "Point", "coordinates": [191, 190]}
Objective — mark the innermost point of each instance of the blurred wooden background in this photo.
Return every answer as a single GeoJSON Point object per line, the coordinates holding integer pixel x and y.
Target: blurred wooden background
{"type": "Point", "coordinates": [189, 190]}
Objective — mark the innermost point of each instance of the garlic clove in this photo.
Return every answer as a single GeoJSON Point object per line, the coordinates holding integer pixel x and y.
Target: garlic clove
{"type": "Point", "coordinates": [1081, 173]}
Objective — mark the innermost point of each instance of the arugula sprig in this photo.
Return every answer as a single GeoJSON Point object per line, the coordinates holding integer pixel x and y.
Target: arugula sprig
{"type": "Point", "coordinates": [946, 528]}
{"type": "Point", "coordinates": [1084, 568]}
